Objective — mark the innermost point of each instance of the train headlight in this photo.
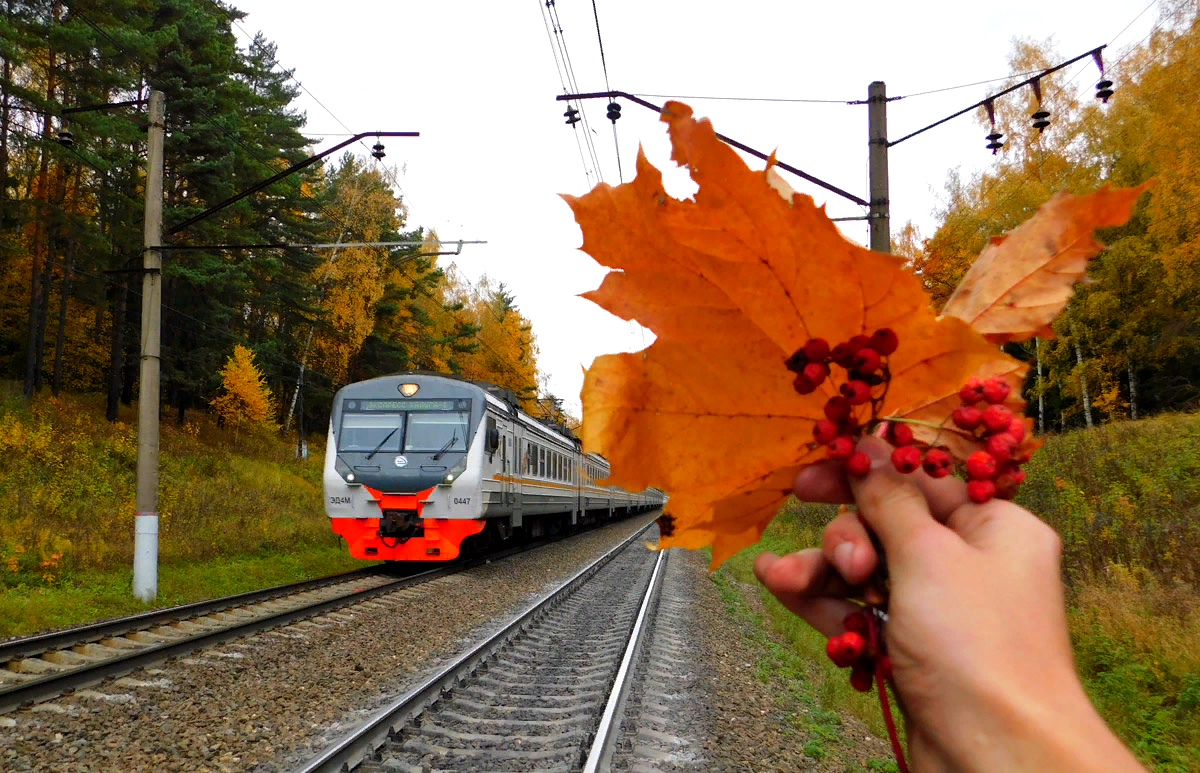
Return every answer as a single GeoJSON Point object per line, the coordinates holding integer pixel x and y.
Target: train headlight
{"type": "Point", "coordinates": [458, 469]}
{"type": "Point", "coordinates": [343, 469]}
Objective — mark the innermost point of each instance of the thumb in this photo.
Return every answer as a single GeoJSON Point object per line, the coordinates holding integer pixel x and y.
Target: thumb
{"type": "Point", "coordinates": [890, 502]}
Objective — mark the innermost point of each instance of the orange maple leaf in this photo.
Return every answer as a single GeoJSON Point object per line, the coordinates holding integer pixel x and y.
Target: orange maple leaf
{"type": "Point", "coordinates": [732, 283]}
{"type": "Point", "coordinates": [1022, 280]}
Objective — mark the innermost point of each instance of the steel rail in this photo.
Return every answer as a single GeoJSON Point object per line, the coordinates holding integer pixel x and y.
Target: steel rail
{"type": "Point", "coordinates": [604, 740]}
{"type": "Point", "coordinates": [348, 752]}
{"type": "Point", "coordinates": [55, 684]}
{"type": "Point", "coordinates": [32, 646]}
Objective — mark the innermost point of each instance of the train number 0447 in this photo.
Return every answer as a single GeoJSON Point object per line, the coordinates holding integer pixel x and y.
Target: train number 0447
{"type": "Point", "coordinates": [462, 500]}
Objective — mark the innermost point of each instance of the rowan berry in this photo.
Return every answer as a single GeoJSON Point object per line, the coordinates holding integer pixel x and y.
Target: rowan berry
{"type": "Point", "coordinates": [995, 390]}
{"type": "Point", "coordinates": [981, 466]}
{"type": "Point", "coordinates": [899, 434]}
{"type": "Point", "coordinates": [837, 408]}
{"type": "Point", "coordinates": [1016, 428]}
{"type": "Point", "coordinates": [906, 459]}
{"type": "Point", "coordinates": [867, 360]}
{"type": "Point", "coordinates": [885, 666]}
{"type": "Point", "coordinates": [937, 463]}
{"type": "Point", "coordinates": [1008, 481]}
{"type": "Point", "coordinates": [841, 447]}
{"type": "Point", "coordinates": [824, 431]}
{"type": "Point", "coordinates": [885, 341]}
{"type": "Point", "coordinates": [855, 621]}
{"type": "Point", "coordinates": [843, 355]}
{"type": "Point", "coordinates": [857, 342]}
{"type": "Point", "coordinates": [846, 648]}
{"type": "Point", "coordinates": [861, 677]}
{"type": "Point", "coordinates": [980, 491]}
{"type": "Point", "coordinates": [802, 385]}
{"type": "Point", "coordinates": [796, 362]}
{"type": "Point", "coordinates": [966, 417]}
{"type": "Point", "coordinates": [816, 349]}
{"type": "Point", "coordinates": [858, 465]}
{"type": "Point", "coordinates": [972, 391]}
{"type": "Point", "coordinates": [871, 379]}
{"type": "Point", "coordinates": [996, 418]}
{"type": "Point", "coordinates": [1002, 446]}
{"type": "Point", "coordinates": [816, 372]}
{"type": "Point", "coordinates": [857, 392]}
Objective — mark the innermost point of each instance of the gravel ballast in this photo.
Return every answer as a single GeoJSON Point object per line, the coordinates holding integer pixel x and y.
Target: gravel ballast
{"type": "Point", "coordinates": [272, 700]}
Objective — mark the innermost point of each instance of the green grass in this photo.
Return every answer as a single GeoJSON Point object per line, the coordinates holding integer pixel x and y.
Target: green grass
{"type": "Point", "coordinates": [233, 515]}
{"type": "Point", "coordinates": [92, 594]}
{"type": "Point", "coordinates": [1126, 498]}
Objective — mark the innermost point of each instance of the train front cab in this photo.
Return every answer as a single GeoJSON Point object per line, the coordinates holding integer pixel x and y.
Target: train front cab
{"type": "Point", "coordinates": [401, 534]}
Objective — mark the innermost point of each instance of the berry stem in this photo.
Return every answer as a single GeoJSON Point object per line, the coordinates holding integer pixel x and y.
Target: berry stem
{"type": "Point", "coordinates": [930, 424]}
{"type": "Point", "coordinates": [875, 637]}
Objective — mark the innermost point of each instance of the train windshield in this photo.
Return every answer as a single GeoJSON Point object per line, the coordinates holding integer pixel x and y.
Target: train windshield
{"type": "Point", "coordinates": [367, 431]}
{"type": "Point", "coordinates": [440, 431]}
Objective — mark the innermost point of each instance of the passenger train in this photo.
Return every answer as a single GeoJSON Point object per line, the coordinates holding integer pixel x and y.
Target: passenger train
{"type": "Point", "coordinates": [422, 466]}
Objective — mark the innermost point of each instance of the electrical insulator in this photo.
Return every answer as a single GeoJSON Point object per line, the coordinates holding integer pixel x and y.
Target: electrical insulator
{"type": "Point", "coordinates": [572, 115]}
{"type": "Point", "coordinates": [994, 142]}
{"type": "Point", "coordinates": [614, 111]}
{"type": "Point", "coordinates": [377, 150]}
{"type": "Point", "coordinates": [1104, 90]}
{"type": "Point", "coordinates": [66, 139]}
{"type": "Point", "coordinates": [1041, 119]}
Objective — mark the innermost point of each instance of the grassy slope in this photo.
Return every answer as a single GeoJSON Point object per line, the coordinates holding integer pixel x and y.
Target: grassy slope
{"type": "Point", "coordinates": [1126, 499]}
{"type": "Point", "coordinates": [234, 514]}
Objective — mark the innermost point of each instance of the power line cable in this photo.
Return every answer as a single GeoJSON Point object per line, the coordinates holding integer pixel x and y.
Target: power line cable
{"type": "Point", "coordinates": [573, 82]}
{"type": "Point", "coordinates": [562, 81]}
{"type": "Point", "coordinates": [612, 117]}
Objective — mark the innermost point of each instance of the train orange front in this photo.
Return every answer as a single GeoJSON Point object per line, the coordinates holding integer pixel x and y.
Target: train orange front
{"type": "Point", "coordinates": [420, 467]}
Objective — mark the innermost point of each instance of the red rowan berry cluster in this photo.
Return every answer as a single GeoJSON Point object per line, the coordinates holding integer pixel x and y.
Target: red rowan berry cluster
{"type": "Point", "coordinates": [864, 358]}
{"type": "Point", "coordinates": [995, 472]}
{"type": "Point", "coordinates": [858, 649]}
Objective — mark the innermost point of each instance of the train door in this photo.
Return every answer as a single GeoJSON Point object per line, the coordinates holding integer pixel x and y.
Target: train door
{"type": "Point", "coordinates": [516, 470]}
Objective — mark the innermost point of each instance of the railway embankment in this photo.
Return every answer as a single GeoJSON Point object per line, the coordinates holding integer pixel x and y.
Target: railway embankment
{"type": "Point", "coordinates": [234, 515]}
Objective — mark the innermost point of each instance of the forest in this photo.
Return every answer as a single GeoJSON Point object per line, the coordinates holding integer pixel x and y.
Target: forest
{"type": "Point", "coordinates": [71, 207]}
{"type": "Point", "coordinates": [71, 220]}
{"type": "Point", "coordinates": [1127, 345]}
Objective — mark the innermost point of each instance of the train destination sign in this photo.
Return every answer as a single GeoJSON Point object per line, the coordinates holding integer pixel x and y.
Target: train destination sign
{"type": "Point", "coordinates": [407, 405]}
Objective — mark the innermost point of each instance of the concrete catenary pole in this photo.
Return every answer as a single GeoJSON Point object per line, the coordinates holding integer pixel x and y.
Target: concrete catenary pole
{"type": "Point", "coordinates": [145, 545]}
{"type": "Point", "coordinates": [880, 214]}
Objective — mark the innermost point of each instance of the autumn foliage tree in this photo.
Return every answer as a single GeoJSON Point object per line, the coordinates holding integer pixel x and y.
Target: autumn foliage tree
{"type": "Point", "coordinates": [245, 398]}
{"type": "Point", "coordinates": [1127, 345]}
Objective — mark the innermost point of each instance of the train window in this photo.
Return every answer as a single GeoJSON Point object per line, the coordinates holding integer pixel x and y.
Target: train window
{"type": "Point", "coordinates": [541, 462]}
{"type": "Point", "coordinates": [441, 431]}
{"type": "Point", "coordinates": [366, 431]}
{"type": "Point", "coordinates": [558, 466]}
{"type": "Point", "coordinates": [529, 457]}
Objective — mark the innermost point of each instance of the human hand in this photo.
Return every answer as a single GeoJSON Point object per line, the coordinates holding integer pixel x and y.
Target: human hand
{"type": "Point", "coordinates": [976, 631]}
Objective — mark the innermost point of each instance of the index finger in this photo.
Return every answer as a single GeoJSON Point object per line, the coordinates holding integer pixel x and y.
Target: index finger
{"type": "Point", "coordinates": [825, 482]}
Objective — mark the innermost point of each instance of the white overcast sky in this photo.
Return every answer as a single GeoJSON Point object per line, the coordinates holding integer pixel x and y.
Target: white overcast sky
{"type": "Point", "coordinates": [478, 79]}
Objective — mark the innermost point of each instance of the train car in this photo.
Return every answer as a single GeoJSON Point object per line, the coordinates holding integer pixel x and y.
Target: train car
{"type": "Point", "coordinates": [423, 466]}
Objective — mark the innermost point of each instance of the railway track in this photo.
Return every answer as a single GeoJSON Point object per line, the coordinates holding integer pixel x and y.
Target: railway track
{"type": "Point", "coordinates": [41, 667]}
{"type": "Point", "coordinates": [545, 692]}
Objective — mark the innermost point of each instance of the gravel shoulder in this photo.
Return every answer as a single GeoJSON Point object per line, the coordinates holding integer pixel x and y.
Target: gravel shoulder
{"type": "Point", "coordinates": [757, 709]}
{"type": "Point", "coordinates": [271, 700]}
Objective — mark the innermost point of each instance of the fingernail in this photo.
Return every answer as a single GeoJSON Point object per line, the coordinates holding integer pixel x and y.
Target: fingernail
{"type": "Point", "coordinates": [843, 557]}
